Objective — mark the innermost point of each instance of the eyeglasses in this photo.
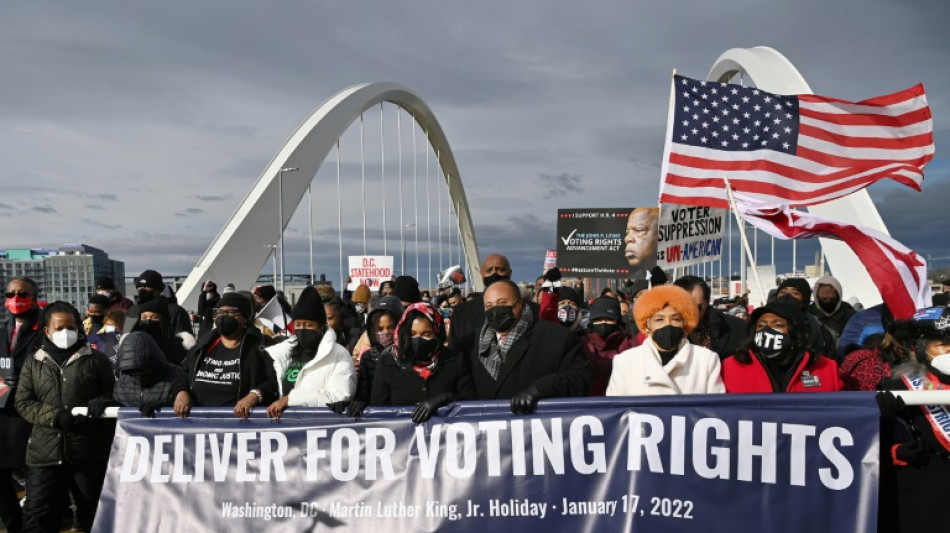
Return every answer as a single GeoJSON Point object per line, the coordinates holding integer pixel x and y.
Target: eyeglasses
{"type": "Point", "coordinates": [21, 294]}
{"type": "Point", "coordinates": [226, 312]}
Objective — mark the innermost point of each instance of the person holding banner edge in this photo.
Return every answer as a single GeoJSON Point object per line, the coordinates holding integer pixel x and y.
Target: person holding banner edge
{"type": "Point", "coordinates": [311, 368]}
{"type": "Point", "coordinates": [418, 369]}
{"type": "Point", "coordinates": [228, 366]}
{"type": "Point", "coordinates": [519, 357]}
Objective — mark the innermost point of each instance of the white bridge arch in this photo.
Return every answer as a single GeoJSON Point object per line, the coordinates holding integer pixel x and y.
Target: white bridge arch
{"type": "Point", "coordinates": [771, 71]}
{"type": "Point", "coordinates": [239, 251]}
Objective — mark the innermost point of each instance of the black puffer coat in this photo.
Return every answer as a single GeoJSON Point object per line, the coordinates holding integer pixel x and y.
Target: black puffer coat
{"type": "Point", "coordinates": [145, 376]}
{"type": "Point", "coordinates": [45, 389]}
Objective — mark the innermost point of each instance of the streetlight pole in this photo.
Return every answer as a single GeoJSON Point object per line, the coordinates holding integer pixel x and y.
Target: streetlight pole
{"type": "Point", "coordinates": [280, 215]}
{"type": "Point", "coordinates": [273, 257]}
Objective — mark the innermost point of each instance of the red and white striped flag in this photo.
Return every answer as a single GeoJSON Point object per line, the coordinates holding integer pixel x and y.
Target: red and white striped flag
{"type": "Point", "coordinates": [799, 149]}
{"type": "Point", "coordinates": [897, 271]}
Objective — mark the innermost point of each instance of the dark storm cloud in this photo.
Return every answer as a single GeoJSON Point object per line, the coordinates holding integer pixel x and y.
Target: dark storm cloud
{"type": "Point", "coordinates": [95, 207]}
{"type": "Point", "coordinates": [191, 211]}
{"type": "Point", "coordinates": [44, 209]}
{"type": "Point", "coordinates": [214, 198]}
{"type": "Point", "coordinates": [552, 186]}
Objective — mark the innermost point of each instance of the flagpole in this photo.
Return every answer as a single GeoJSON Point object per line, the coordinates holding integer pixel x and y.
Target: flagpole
{"type": "Point", "coordinates": [664, 165]}
{"type": "Point", "coordinates": [745, 241]}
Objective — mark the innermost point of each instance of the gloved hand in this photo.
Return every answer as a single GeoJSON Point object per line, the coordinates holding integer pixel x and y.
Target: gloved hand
{"type": "Point", "coordinates": [525, 401]}
{"type": "Point", "coordinates": [338, 407]}
{"type": "Point", "coordinates": [552, 279]}
{"type": "Point", "coordinates": [65, 420]}
{"type": "Point", "coordinates": [425, 409]}
{"type": "Point", "coordinates": [97, 406]}
{"type": "Point", "coordinates": [356, 409]}
{"type": "Point", "coordinates": [889, 404]}
{"type": "Point", "coordinates": [148, 408]}
{"type": "Point", "coordinates": [913, 453]}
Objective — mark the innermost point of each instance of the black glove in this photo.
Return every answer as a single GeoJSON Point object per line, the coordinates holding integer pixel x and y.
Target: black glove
{"type": "Point", "coordinates": [338, 407]}
{"type": "Point", "coordinates": [356, 409]}
{"type": "Point", "coordinates": [425, 409]}
{"type": "Point", "coordinates": [148, 408]}
{"type": "Point", "coordinates": [525, 401]}
{"type": "Point", "coordinates": [65, 420]}
{"type": "Point", "coordinates": [552, 275]}
{"type": "Point", "coordinates": [97, 406]}
{"type": "Point", "coordinates": [913, 453]}
{"type": "Point", "coordinates": [889, 404]}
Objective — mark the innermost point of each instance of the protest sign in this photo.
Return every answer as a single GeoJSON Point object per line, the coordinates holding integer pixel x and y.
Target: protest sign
{"type": "Point", "coordinates": [369, 270]}
{"type": "Point", "coordinates": [550, 260]}
{"type": "Point", "coordinates": [597, 243]}
{"type": "Point", "coordinates": [674, 463]}
{"type": "Point", "coordinates": [689, 235]}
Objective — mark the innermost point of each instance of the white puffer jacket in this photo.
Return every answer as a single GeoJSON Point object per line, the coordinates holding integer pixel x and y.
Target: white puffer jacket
{"type": "Point", "coordinates": [328, 377]}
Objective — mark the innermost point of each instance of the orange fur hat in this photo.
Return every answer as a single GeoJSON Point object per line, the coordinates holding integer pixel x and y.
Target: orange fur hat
{"type": "Point", "coordinates": [658, 297]}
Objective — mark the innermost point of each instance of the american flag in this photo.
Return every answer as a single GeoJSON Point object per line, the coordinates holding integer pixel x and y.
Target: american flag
{"type": "Point", "coordinates": [897, 271]}
{"type": "Point", "coordinates": [799, 149]}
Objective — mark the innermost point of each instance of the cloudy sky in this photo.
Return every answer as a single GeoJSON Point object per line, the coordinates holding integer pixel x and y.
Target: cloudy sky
{"type": "Point", "coordinates": [138, 127]}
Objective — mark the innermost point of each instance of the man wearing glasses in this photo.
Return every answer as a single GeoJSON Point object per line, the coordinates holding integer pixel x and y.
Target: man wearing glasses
{"type": "Point", "coordinates": [19, 338]}
{"type": "Point", "coordinates": [228, 367]}
{"type": "Point", "coordinates": [641, 240]}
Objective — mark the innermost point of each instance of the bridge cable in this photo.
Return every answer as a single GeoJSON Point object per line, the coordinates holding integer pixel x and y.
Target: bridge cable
{"type": "Point", "coordinates": [382, 174]}
{"type": "Point", "coordinates": [363, 180]}
{"type": "Point", "coordinates": [339, 212]}
{"type": "Point", "coordinates": [402, 224]}
{"type": "Point", "coordinates": [415, 196]}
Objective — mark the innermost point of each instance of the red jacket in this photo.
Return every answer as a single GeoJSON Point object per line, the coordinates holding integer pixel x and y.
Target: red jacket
{"type": "Point", "coordinates": [752, 378]}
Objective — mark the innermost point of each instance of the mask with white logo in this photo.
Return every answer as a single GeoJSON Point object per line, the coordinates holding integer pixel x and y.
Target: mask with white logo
{"type": "Point", "coordinates": [771, 342]}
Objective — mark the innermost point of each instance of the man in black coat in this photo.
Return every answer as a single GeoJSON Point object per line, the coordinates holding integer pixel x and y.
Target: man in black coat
{"type": "Point", "coordinates": [469, 316]}
{"type": "Point", "coordinates": [519, 357]}
{"type": "Point", "coordinates": [19, 339]}
{"type": "Point", "coordinates": [716, 330]}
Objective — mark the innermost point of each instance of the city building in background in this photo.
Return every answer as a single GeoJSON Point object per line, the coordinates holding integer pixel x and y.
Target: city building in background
{"type": "Point", "coordinates": [68, 273]}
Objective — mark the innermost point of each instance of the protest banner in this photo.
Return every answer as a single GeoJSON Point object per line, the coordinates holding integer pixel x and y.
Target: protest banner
{"type": "Point", "coordinates": [369, 270]}
{"type": "Point", "coordinates": [594, 243]}
{"type": "Point", "coordinates": [689, 235]}
{"type": "Point", "coordinates": [550, 260]}
{"type": "Point", "coordinates": [780, 463]}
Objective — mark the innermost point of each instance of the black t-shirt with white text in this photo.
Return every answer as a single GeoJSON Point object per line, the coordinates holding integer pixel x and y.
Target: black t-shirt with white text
{"type": "Point", "coordinates": [218, 379]}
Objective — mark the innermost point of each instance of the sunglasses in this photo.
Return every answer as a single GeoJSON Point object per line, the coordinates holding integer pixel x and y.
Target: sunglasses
{"type": "Point", "coordinates": [21, 294]}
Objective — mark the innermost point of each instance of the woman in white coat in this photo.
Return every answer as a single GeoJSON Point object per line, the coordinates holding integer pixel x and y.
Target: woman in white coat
{"type": "Point", "coordinates": [312, 370]}
{"type": "Point", "coordinates": [666, 363]}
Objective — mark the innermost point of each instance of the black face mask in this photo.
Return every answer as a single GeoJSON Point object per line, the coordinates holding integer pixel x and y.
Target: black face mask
{"type": "Point", "coordinates": [500, 318]}
{"type": "Point", "coordinates": [492, 279]}
{"type": "Point", "coordinates": [771, 343]}
{"type": "Point", "coordinates": [227, 325]}
{"type": "Point", "coordinates": [828, 304]}
{"type": "Point", "coordinates": [145, 295]}
{"type": "Point", "coordinates": [309, 339]}
{"type": "Point", "coordinates": [789, 300]}
{"type": "Point", "coordinates": [422, 348]}
{"type": "Point", "coordinates": [668, 337]}
{"type": "Point", "coordinates": [604, 330]}
{"type": "Point", "coordinates": [152, 327]}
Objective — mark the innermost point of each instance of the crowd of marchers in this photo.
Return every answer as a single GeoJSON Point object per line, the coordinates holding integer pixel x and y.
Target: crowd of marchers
{"type": "Point", "coordinates": [402, 346]}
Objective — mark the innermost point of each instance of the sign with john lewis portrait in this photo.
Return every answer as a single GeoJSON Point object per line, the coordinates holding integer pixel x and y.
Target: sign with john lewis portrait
{"type": "Point", "coordinates": [607, 242]}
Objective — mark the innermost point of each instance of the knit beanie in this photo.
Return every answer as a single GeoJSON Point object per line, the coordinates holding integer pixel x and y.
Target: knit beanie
{"type": "Point", "coordinates": [235, 300]}
{"type": "Point", "coordinates": [266, 292]}
{"type": "Point", "coordinates": [799, 284]}
{"type": "Point", "coordinates": [361, 294]}
{"type": "Point", "coordinates": [406, 288]}
{"type": "Point", "coordinates": [310, 307]}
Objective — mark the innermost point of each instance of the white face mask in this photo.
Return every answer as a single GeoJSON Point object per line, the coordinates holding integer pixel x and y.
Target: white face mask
{"type": "Point", "coordinates": [110, 328]}
{"type": "Point", "coordinates": [941, 363]}
{"type": "Point", "coordinates": [64, 338]}
{"type": "Point", "coordinates": [107, 294]}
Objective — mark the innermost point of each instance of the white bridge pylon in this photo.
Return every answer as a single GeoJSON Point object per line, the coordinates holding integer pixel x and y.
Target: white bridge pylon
{"type": "Point", "coordinates": [240, 250]}
{"type": "Point", "coordinates": [772, 72]}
